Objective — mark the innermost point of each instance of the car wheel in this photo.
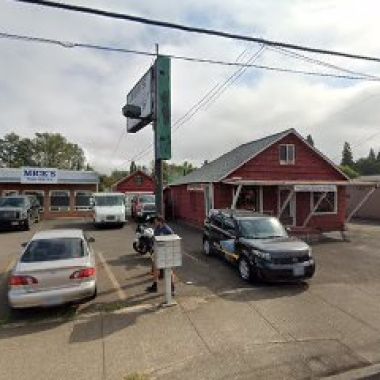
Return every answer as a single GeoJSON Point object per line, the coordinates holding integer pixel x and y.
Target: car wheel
{"type": "Point", "coordinates": [245, 269]}
{"type": "Point", "coordinates": [207, 248]}
{"type": "Point", "coordinates": [27, 224]}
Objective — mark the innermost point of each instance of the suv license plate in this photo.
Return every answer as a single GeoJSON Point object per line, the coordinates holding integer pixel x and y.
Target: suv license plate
{"type": "Point", "coordinates": [298, 271]}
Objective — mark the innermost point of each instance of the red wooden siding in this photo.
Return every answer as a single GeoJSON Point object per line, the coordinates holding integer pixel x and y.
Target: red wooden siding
{"type": "Point", "coordinates": [188, 206]}
{"type": "Point", "coordinates": [223, 195]}
{"type": "Point", "coordinates": [308, 165]}
{"type": "Point", "coordinates": [131, 184]}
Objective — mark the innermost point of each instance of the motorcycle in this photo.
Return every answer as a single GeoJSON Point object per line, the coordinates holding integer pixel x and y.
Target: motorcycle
{"type": "Point", "coordinates": [144, 240]}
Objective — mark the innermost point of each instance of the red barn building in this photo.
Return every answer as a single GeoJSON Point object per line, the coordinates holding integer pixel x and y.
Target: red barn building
{"type": "Point", "coordinates": [136, 183]}
{"type": "Point", "coordinates": [280, 175]}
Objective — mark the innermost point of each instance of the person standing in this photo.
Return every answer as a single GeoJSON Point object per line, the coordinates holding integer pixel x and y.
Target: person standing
{"type": "Point", "coordinates": [160, 229]}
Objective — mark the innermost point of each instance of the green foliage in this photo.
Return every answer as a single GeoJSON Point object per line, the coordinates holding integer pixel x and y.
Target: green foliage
{"type": "Point", "coordinates": [44, 150]}
{"type": "Point", "coordinates": [347, 157]}
{"type": "Point", "coordinates": [174, 171]}
{"type": "Point", "coordinates": [349, 172]}
{"type": "Point", "coordinates": [372, 155]}
{"type": "Point", "coordinates": [133, 167]}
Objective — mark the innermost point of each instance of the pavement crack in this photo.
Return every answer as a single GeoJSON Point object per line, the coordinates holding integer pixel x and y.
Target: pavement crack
{"type": "Point", "coordinates": [196, 329]}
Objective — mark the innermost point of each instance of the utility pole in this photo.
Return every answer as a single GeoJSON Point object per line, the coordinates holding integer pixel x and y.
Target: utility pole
{"type": "Point", "coordinates": [157, 159]}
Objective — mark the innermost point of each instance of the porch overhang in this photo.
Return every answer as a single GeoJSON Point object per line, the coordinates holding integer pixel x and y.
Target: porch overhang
{"type": "Point", "coordinates": [246, 182]}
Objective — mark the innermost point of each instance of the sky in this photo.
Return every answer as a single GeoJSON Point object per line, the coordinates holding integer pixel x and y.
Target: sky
{"type": "Point", "coordinates": [80, 92]}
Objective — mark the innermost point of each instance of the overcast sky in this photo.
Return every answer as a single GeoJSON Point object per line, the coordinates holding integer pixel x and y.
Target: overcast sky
{"type": "Point", "coordinates": [79, 93]}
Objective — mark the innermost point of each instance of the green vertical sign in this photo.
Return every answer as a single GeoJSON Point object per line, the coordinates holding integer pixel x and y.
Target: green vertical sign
{"type": "Point", "coordinates": [163, 108]}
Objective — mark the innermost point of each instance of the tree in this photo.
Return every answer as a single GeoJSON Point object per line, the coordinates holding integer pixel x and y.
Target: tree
{"type": "Point", "coordinates": [371, 155]}
{"type": "Point", "coordinates": [16, 151]}
{"type": "Point", "coordinates": [347, 157]}
{"type": "Point", "coordinates": [53, 150]}
{"type": "Point", "coordinates": [132, 167]}
{"type": "Point", "coordinates": [351, 173]}
{"type": "Point", "coordinates": [310, 140]}
{"type": "Point", "coordinates": [378, 156]}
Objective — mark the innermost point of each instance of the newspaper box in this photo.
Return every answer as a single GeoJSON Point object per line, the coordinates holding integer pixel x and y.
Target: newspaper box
{"type": "Point", "coordinates": [167, 250]}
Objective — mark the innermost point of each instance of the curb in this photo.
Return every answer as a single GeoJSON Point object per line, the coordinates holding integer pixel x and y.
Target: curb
{"type": "Point", "coordinates": [362, 373]}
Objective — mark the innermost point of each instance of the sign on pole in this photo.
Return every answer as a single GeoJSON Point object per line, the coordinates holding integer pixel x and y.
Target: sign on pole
{"type": "Point", "coordinates": [141, 96]}
{"type": "Point", "coordinates": [163, 108]}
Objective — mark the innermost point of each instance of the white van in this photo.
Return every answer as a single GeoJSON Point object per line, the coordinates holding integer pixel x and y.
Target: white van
{"type": "Point", "coordinates": [108, 208]}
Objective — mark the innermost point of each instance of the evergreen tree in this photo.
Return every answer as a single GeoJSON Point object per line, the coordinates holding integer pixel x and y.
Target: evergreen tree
{"type": "Point", "coordinates": [347, 157]}
{"type": "Point", "coordinates": [132, 167]}
{"type": "Point", "coordinates": [310, 140]}
{"type": "Point", "coordinates": [378, 156]}
{"type": "Point", "coordinates": [371, 155]}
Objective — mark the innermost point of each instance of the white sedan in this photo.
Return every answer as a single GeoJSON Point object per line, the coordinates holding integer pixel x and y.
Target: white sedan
{"type": "Point", "coordinates": [56, 267]}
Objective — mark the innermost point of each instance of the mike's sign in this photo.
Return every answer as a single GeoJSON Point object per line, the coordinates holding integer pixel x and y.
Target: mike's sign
{"type": "Point", "coordinates": [39, 175]}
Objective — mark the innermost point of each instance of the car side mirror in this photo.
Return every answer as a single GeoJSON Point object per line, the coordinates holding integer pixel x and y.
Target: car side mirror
{"type": "Point", "coordinates": [24, 244]}
{"type": "Point", "coordinates": [91, 239]}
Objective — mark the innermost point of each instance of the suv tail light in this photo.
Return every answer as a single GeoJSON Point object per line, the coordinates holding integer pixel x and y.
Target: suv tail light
{"type": "Point", "coordinates": [22, 280]}
{"type": "Point", "coordinates": [83, 273]}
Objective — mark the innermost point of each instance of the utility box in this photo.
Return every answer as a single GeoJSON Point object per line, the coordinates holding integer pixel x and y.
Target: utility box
{"type": "Point", "coordinates": [168, 253]}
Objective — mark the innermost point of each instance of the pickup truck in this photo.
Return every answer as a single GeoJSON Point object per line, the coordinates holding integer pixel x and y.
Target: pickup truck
{"type": "Point", "coordinates": [19, 211]}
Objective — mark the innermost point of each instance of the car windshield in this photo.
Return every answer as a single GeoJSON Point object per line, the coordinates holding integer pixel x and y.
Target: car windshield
{"type": "Point", "coordinates": [261, 228]}
{"type": "Point", "coordinates": [53, 249]}
{"type": "Point", "coordinates": [109, 200]}
{"type": "Point", "coordinates": [147, 199]}
{"type": "Point", "coordinates": [12, 202]}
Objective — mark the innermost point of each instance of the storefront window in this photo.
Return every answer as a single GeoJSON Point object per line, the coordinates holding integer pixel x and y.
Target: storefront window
{"type": "Point", "coordinates": [328, 205]}
{"type": "Point", "coordinates": [59, 200]}
{"type": "Point", "coordinates": [39, 194]}
{"type": "Point", "coordinates": [82, 200]}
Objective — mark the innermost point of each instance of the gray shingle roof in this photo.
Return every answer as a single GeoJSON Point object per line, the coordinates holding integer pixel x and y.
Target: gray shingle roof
{"type": "Point", "coordinates": [13, 175]}
{"type": "Point", "coordinates": [368, 178]}
{"type": "Point", "coordinates": [216, 170]}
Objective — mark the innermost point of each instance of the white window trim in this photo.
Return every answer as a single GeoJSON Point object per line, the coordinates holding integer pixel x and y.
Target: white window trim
{"type": "Point", "coordinates": [27, 192]}
{"type": "Point", "coordinates": [59, 208]}
{"type": "Point", "coordinates": [287, 162]}
{"type": "Point", "coordinates": [82, 208]}
{"type": "Point", "coordinates": [335, 212]}
{"type": "Point", "coordinates": [17, 192]}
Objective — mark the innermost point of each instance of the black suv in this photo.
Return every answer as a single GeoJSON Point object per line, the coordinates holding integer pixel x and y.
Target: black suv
{"type": "Point", "coordinates": [19, 211]}
{"type": "Point", "coordinates": [258, 245]}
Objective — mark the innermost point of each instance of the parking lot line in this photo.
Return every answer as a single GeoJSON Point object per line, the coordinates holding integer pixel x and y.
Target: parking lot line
{"type": "Point", "coordinates": [112, 277]}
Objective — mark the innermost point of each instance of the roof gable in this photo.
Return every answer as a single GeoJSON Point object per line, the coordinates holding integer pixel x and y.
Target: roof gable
{"type": "Point", "coordinates": [229, 162]}
{"type": "Point", "coordinates": [218, 169]}
{"type": "Point", "coordinates": [130, 176]}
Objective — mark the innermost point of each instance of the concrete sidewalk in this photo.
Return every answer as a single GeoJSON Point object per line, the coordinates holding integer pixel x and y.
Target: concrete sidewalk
{"type": "Point", "coordinates": [221, 337]}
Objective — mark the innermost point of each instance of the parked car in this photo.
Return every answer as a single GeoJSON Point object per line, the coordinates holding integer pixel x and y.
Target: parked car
{"type": "Point", "coordinates": [109, 209]}
{"type": "Point", "coordinates": [19, 211]}
{"type": "Point", "coordinates": [258, 245]}
{"type": "Point", "coordinates": [56, 267]}
{"type": "Point", "coordinates": [143, 205]}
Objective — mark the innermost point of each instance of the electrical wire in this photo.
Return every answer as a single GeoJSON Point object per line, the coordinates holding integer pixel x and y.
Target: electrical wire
{"type": "Point", "coordinates": [204, 101]}
{"type": "Point", "coordinates": [67, 44]}
{"type": "Point", "coordinates": [319, 62]}
{"type": "Point", "coordinates": [164, 24]}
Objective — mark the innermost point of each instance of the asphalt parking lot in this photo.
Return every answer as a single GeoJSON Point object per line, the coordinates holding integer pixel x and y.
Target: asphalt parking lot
{"type": "Point", "coordinates": [221, 328]}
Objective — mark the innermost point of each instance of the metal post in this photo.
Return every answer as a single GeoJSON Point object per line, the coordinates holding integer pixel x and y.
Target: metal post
{"type": "Point", "coordinates": [157, 161]}
{"type": "Point", "coordinates": [168, 286]}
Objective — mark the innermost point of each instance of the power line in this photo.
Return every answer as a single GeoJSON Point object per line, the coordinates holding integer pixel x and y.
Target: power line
{"type": "Point", "coordinates": [319, 62]}
{"type": "Point", "coordinates": [204, 101]}
{"type": "Point", "coordinates": [67, 44]}
{"type": "Point", "coordinates": [164, 24]}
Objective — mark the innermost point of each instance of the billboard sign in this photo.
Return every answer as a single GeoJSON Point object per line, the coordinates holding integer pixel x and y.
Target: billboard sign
{"type": "Point", "coordinates": [141, 96]}
{"type": "Point", "coordinates": [39, 175]}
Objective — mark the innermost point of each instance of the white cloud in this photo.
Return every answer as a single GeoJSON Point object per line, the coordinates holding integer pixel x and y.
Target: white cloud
{"type": "Point", "coordinates": [79, 93]}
